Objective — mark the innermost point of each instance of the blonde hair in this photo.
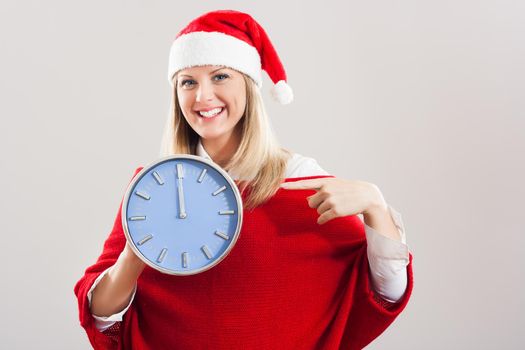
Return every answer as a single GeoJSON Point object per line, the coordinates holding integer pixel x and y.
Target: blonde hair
{"type": "Point", "coordinates": [259, 159]}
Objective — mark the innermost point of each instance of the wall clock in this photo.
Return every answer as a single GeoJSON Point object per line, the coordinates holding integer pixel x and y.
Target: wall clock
{"type": "Point", "coordinates": [182, 214]}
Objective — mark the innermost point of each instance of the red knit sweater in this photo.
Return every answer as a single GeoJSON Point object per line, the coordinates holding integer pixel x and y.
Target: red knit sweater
{"type": "Point", "coordinates": [288, 283]}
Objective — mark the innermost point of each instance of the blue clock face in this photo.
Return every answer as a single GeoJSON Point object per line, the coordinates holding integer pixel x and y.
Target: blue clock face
{"type": "Point", "coordinates": [182, 214]}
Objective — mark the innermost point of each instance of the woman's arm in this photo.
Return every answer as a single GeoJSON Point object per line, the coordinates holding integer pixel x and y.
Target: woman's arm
{"type": "Point", "coordinates": [388, 259]}
{"type": "Point", "coordinates": [380, 219]}
{"type": "Point", "coordinates": [114, 291]}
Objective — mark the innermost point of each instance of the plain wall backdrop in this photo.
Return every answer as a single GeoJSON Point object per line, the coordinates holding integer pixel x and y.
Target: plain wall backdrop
{"type": "Point", "coordinates": [423, 98]}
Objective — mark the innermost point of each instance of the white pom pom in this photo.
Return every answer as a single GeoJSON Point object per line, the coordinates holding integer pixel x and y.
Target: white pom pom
{"type": "Point", "coordinates": [282, 92]}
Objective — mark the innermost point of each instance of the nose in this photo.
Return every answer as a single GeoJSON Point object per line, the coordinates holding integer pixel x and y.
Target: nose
{"type": "Point", "coordinates": [205, 92]}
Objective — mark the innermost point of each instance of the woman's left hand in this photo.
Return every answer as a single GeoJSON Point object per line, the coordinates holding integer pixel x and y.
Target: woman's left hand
{"type": "Point", "coordinates": [339, 197]}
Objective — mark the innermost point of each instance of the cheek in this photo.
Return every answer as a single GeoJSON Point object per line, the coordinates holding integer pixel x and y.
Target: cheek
{"type": "Point", "coordinates": [238, 105]}
{"type": "Point", "coordinates": [242, 105]}
{"type": "Point", "coordinates": [240, 100]}
{"type": "Point", "coordinates": [185, 102]}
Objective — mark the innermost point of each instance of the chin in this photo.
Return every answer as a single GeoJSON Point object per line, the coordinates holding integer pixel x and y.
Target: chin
{"type": "Point", "coordinates": [210, 135]}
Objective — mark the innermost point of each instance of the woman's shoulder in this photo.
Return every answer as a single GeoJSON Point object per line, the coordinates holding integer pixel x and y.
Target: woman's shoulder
{"type": "Point", "coordinates": [300, 166]}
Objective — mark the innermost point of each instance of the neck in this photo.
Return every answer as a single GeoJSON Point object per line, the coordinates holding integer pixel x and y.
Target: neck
{"type": "Point", "coordinates": [221, 149]}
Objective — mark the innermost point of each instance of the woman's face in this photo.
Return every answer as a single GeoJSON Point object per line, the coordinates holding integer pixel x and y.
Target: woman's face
{"type": "Point", "coordinates": [212, 99]}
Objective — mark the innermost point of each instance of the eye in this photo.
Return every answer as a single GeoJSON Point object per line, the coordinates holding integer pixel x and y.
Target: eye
{"type": "Point", "coordinates": [221, 77]}
{"type": "Point", "coordinates": [187, 83]}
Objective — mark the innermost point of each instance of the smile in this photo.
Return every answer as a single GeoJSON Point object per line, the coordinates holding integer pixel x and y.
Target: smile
{"type": "Point", "coordinates": [211, 113]}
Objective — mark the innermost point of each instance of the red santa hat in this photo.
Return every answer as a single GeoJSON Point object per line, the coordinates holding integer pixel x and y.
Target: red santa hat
{"type": "Point", "coordinates": [233, 39]}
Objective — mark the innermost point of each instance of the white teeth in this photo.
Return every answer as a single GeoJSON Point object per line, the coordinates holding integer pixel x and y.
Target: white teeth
{"type": "Point", "coordinates": [211, 113]}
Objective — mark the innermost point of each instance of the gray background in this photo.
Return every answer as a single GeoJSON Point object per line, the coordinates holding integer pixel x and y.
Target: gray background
{"type": "Point", "coordinates": [422, 98]}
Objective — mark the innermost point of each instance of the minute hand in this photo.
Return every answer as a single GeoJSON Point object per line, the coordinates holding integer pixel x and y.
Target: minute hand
{"type": "Point", "coordinates": [180, 176]}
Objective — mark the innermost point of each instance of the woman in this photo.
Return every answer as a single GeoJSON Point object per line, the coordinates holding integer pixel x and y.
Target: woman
{"type": "Point", "coordinates": [306, 273]}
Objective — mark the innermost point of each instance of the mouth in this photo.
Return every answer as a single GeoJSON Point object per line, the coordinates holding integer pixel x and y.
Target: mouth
{"type": "Point", "coordinates": [211, 114]}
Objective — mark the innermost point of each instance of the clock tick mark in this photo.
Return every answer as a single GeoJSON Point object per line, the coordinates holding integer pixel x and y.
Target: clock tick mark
{"type": "Point", "coordinates": [185, 259]}
{"type": "Point", "coordinates": [136, 218]}
{"type": "Point", "coordinates": [206, 251]}
{"type": "Point", "coordinates": [143, 195]}
{"type": "Point", "coordinates": [180, 171]}
{"type": "Point", "coordinates": [226, 212]}
{"type": "Point", "coordinates": [219, 191]}
{"type": "Point", "coordinates": [145, 239]}
{"type": "Point", "coordinates": [162, 255]}
{"type": "Point", "coordinates": [222, 235]}
{"type": "Point", "coordinates": [157, 177]}
{"type": "Point", "coordinates": [201, 176]}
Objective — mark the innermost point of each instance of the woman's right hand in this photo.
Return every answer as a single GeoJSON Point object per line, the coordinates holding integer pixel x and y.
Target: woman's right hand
{"type": "Point", "coordinates": [113, 293]}
{"type": "Point", "coordinates": [130, 257]}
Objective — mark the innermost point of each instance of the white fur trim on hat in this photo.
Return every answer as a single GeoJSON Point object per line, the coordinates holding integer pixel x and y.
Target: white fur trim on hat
{"type": "Point", "coordinates": [282, 92]}
{"type": "Point", "coordinates": [214, 48]}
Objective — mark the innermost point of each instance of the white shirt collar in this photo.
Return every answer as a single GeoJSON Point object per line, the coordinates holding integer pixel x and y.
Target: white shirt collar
{"type": "Point", "coordinates": [201, 152]}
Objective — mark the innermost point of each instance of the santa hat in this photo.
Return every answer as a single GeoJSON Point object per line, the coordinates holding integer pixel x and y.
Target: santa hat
{"type": "Point", "coordinates": [233, 39]}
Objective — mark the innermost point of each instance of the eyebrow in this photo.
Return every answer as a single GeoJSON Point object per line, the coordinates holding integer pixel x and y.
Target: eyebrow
{"type": "Point", "coordinates": [186, 75]}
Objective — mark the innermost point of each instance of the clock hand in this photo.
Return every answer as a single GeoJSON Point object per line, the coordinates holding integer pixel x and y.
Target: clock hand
{"type": "Point", "coordinates": [180, 176]}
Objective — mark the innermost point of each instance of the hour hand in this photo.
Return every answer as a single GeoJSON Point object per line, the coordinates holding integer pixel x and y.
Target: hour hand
{"type": "Point", "coordinates": [180, 176]}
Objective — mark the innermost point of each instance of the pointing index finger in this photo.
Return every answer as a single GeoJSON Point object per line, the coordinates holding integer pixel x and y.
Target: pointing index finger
{"type": "Point", "coordinates": [303, 184]}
